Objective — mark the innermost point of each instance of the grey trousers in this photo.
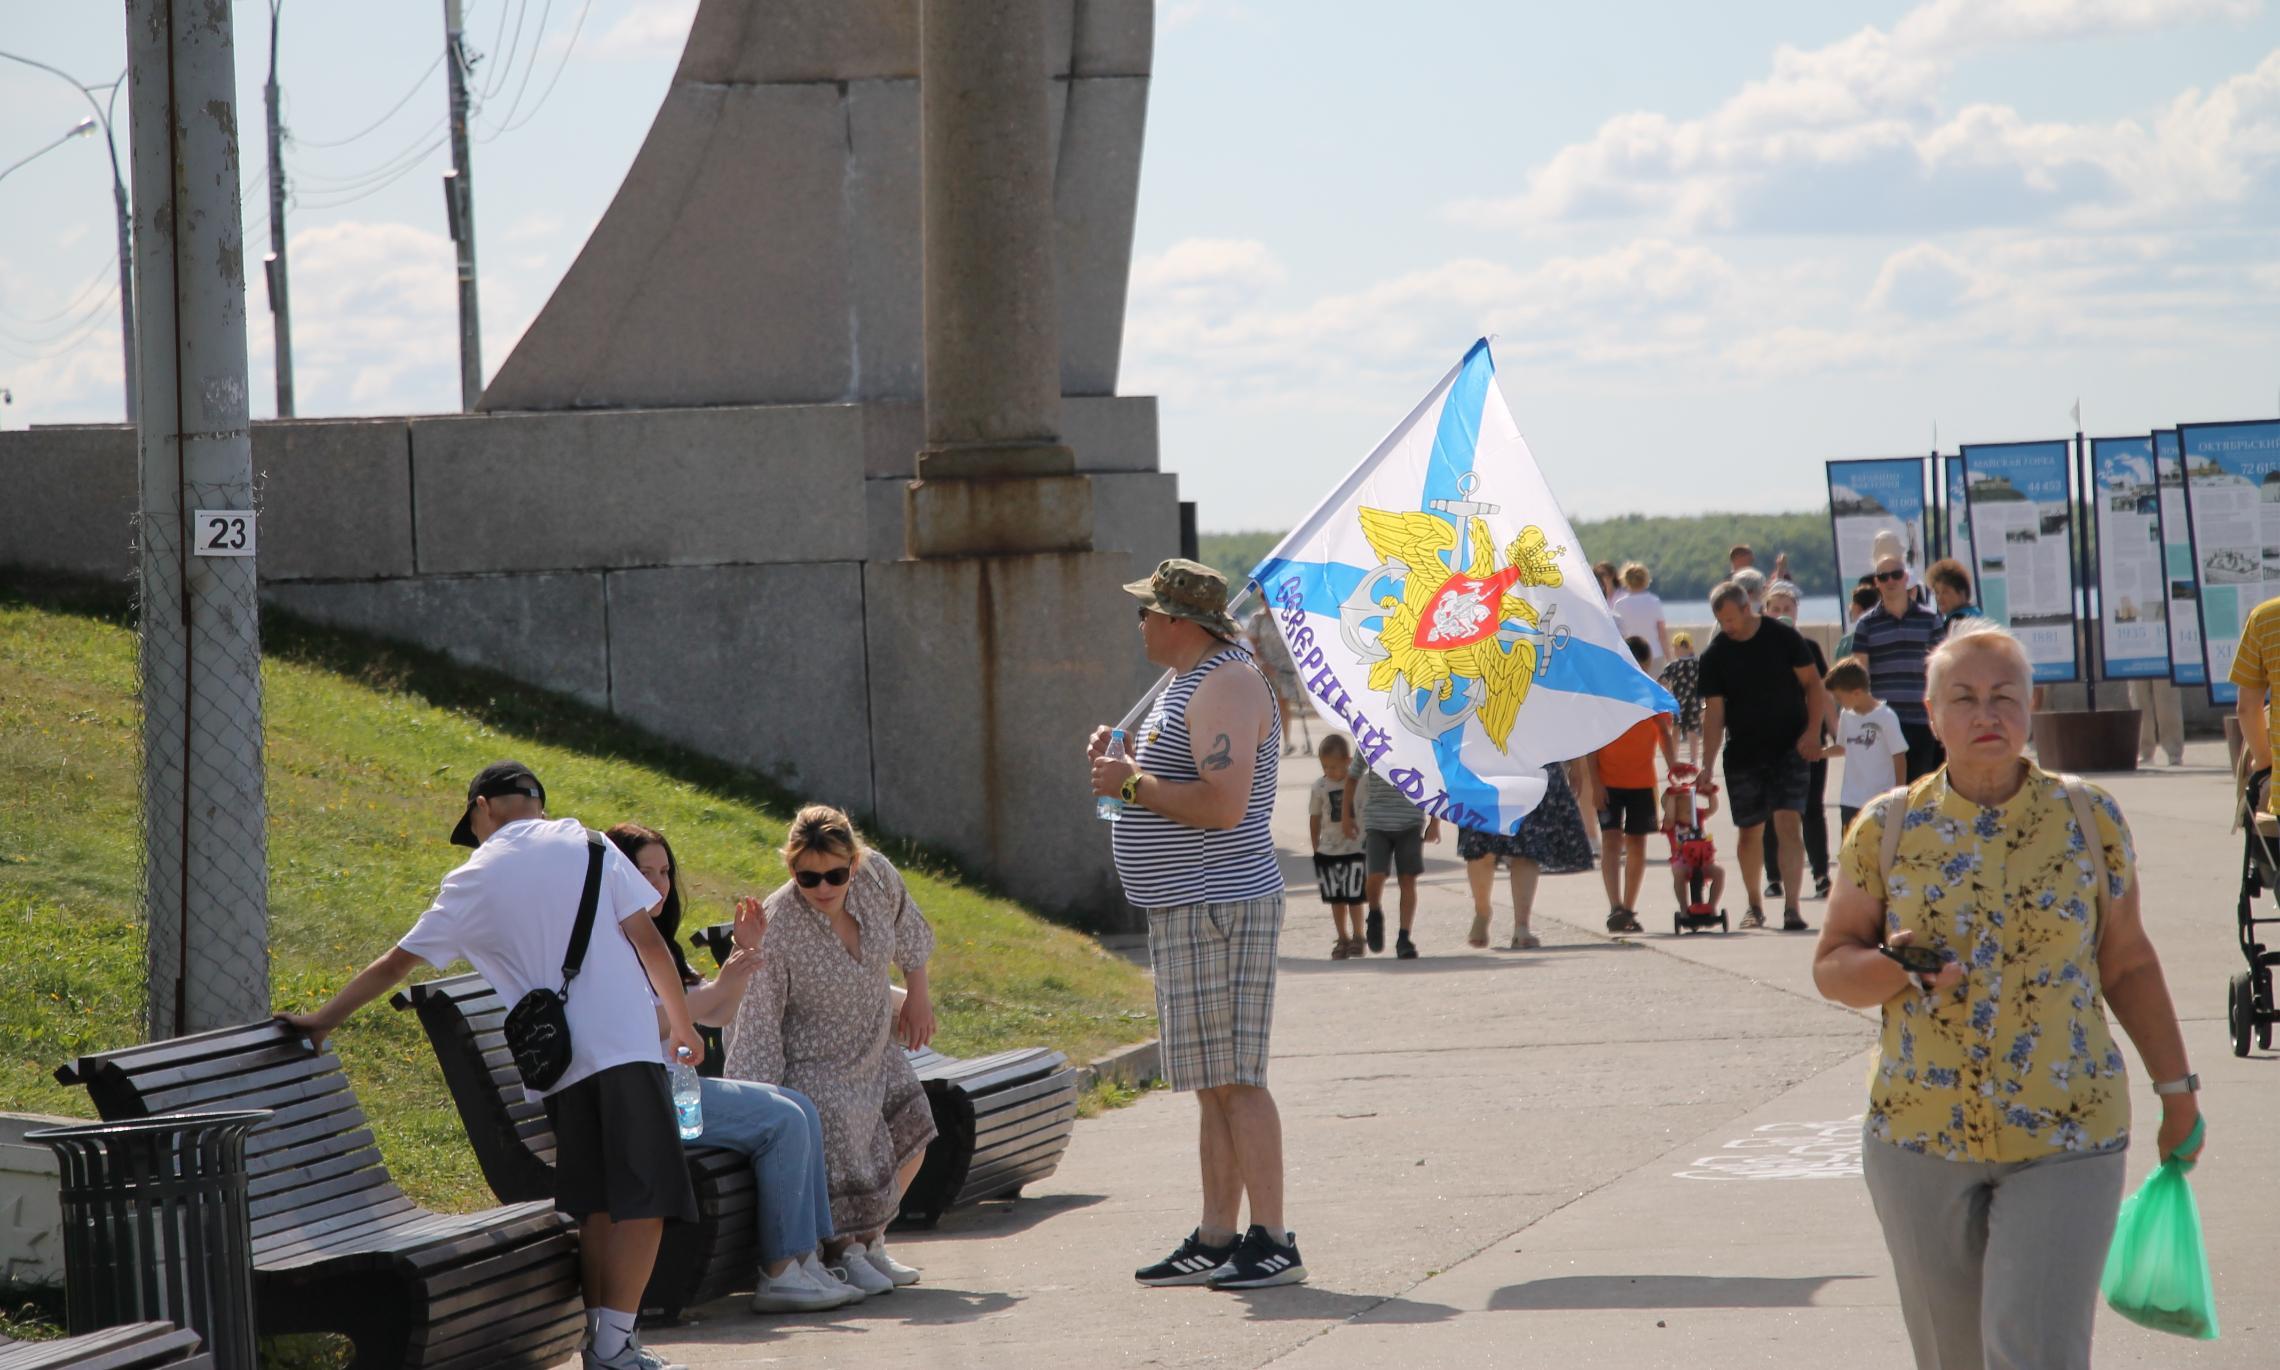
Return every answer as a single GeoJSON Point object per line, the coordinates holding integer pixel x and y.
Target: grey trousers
{"type": "Point", "coordinates": [1998, 1265]}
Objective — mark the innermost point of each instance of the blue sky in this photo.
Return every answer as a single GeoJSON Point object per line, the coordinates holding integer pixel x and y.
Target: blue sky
{"type": "Point", "coordinates": [1719, 244]}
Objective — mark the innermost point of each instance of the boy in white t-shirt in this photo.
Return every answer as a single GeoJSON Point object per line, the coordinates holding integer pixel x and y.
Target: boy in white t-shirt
{"type": "Point", "coordinates": [1340, 869]}
{"type": "Point", "coordinates": [1868, 738]}
{"type": "Point", "coordinates": [509, 912]}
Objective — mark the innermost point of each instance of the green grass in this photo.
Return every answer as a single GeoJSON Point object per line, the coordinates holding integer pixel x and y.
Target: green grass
{"type": "Point", "coordinates": [368, 750]}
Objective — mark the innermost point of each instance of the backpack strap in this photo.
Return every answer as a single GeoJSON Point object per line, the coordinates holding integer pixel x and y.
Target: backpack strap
{"type": "Point", "coordinates": [2078, 797]}
{"type": "Point", "coordinates": [1896, 805]}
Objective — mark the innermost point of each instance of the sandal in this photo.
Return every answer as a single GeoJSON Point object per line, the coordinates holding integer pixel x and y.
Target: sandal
{"type": "Point", "coordinates": [1478, 937]}
{"type": "Point", "coordinates": [1342, 949]}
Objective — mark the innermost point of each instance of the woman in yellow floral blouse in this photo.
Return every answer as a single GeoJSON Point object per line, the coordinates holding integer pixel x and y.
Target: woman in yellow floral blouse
{"type": "Point", "coordinates": [1999, 1109]}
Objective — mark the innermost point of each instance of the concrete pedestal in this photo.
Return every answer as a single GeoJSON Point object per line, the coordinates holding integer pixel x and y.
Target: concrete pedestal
{"type": "Point", "coordinates": [2084, 742]}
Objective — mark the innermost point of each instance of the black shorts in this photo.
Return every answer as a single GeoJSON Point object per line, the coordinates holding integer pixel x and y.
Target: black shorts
{"type": "Point", "coordinates": [1401, 852]}
{"type": "Point", "coordinates": [1340, 877]}
{"type": "Point", "coordinates": [1755, 790]}
{"type": "Point", "coordinates": [1631, 810]}
{"type": "Point", "coordinates": [617, 1146]}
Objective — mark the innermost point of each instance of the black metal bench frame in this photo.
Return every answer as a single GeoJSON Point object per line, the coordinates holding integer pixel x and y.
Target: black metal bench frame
{"type": "Point", "coordinates": [135, 1346]}
{"type": "Point", "coordinates": [464, 1019]}
{"type": "Point", "coordinates": [337, 1246]}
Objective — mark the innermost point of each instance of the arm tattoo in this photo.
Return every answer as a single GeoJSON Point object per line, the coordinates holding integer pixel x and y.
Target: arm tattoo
{"type": "Point", "coordinates": [1222, 754]}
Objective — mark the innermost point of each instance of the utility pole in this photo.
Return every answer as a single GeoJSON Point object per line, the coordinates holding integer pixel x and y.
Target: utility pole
{"type": "Point", "coordinates": [205, 830]}
{"type": "Point", "coordinates": [459, 209]}
{"type": "Point", "coordinates": [280, 306]}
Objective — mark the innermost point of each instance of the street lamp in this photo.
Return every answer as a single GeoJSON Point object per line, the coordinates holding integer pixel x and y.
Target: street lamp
{"type": "Point", "coordinates": [78, 130]}
{"type": "Point", "coordinates": [102, 118]}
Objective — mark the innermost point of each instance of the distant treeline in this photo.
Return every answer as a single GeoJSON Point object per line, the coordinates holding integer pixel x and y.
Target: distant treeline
{"type": "Point", "coordinates": [1686, 553]}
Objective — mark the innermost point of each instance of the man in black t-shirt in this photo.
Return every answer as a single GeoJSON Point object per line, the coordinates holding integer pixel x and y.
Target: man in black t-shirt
{"type": "Point", "coordinates": [1763, 699]}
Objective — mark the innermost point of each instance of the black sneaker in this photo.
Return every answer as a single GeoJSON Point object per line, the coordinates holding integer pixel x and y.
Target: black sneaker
{"type": "Point", "coordinates": [1821, 887]}
{"type": "Point", "coordinates": [1623, 920]}
{"type": "Point", "coordinates": [1792, 921]}
{"type": "Point", "coordinates": [1407, 951]}
{"type": "Point", "coordinates": [1375, 930]}
{"type": "Point", "coordinates": [1260, 1262]}
{"type": "Point", "coordinates": [1773, 889]}
{"type": "Point", "coordinates": [1192, 1263]}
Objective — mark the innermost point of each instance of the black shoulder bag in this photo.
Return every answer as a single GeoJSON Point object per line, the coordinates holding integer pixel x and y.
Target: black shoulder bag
{"type": "Point", "coordinates": [538, 1027]}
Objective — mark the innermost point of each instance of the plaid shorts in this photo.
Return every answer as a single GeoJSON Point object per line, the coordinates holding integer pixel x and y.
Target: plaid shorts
{"type": "Point", "coordinates": [1215, 989]}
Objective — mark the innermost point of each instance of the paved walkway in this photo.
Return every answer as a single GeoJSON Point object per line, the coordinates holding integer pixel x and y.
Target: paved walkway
{"type": "Point", "coordinates": [1607, 1153]}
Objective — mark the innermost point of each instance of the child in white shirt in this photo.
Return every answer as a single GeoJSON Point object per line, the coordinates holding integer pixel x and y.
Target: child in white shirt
{"type": "Point", "coordinates": [1338, 862]}
{"type": "Point", "coordinates": [1868, 738]}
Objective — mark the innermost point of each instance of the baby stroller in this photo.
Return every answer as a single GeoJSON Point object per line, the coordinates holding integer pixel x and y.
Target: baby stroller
{"type": "Point", "coordinates": [2248, 999]}
{"type": "Point", "coordinates": [1691, 851]}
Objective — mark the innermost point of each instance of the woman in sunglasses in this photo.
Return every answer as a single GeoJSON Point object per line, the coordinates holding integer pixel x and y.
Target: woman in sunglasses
{"type": "Point", "coordinates": [819, 1017]}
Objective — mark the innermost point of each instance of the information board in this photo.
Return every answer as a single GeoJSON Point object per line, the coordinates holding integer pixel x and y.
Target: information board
{"type": "Point", "coordinates": [2133, 588]}
{"type": "Point", "coordinates": [2232, 505]}
{"type": "Point", "coordinates": [2022, 524]}
{"type": "Point", "coordinates": [2185, 665]}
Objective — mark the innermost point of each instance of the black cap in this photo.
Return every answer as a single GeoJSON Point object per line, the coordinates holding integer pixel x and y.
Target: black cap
{"type": "Point", "coordinates": [500, 777]}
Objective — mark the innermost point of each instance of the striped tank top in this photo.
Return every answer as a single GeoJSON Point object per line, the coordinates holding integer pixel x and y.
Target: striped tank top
{"type": "Point", "coordinates": [1165, 864]}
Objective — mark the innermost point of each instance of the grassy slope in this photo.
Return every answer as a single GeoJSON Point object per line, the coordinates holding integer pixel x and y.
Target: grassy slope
{"type": "Point", "coordinates": [368, 750]}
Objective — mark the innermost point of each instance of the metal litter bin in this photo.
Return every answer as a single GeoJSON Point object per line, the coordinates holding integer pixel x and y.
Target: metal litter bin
{"type": "Point", "coordinates": [155, 1226]}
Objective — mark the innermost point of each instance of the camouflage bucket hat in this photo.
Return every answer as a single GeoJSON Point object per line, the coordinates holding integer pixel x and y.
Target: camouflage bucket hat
{"type": "Point", "coordinates": [1190, 590]}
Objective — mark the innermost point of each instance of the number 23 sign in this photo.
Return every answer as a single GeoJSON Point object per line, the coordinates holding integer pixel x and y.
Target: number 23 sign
{"type": "Point", "coordinates": [222, 533]}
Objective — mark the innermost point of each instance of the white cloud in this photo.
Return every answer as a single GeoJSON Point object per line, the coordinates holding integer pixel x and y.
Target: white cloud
{"type": "Point", "coordinates": [1851, 137]}
{"type": "Point", "coordinates": [651, 28]}
{"type": "Point", "coordinates": [1923, 281]}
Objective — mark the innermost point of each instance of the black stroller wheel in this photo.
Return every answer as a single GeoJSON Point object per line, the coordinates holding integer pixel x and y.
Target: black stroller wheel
{"type": "Point", "coordinates": [2240, 1012]}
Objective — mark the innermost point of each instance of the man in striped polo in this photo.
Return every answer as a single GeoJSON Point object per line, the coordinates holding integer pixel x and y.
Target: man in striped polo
{"type": "Point", "coordinates": [1193, 849]}
{"type": "Point", "coordinates": [1895, 639]}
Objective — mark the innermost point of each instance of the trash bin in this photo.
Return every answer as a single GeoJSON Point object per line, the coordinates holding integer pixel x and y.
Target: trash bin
{"type": "Point", "coordinates": [155, 1226]}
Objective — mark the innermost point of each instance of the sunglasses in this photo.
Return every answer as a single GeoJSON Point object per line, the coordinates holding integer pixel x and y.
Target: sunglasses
{"type": "Point", "coordinates": [834, 877]}
{"type": "Point", "coordinates": [1144, 612]}
{"type": "Point", "coordinates": [1891, 575]}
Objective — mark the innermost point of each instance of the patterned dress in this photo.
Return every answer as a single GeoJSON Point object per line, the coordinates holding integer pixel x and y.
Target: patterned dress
{"type": "Point", "coordinates": [1683, 678]}
{"type": "Point", "coordinates": [820, 1021]}
{"type": "Point", "coordinates": [1551, 835]}
{"type": "Point", "coordinates": [2016, 1063]}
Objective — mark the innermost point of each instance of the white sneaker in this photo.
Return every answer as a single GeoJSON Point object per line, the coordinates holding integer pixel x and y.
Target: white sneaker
{"type": "Point", "coordinates": [888, 1266]}
{"type": "Point", "coordinates": [821, 1274]}
{"type": "Point", "coordinates": [855, 1269]}
{"type": "Point", "coordinates": [794, 1292]}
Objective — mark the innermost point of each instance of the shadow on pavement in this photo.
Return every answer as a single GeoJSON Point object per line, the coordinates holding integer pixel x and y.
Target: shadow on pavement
{"type": "Point", "coordinates": [1480, 963]}
{"type": "Point", "coordinates": [1302, 1303]}
{"type": "Point", "coordinates": [998, 1218]}
{"type": "Point", "coordinates": [727, 1323]}
{"type": "Point", "coordinates": [1661, 1291]}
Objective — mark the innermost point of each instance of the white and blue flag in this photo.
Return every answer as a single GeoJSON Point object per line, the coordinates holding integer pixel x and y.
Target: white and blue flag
{"type": "Point", "coordinates": [1438, 604]}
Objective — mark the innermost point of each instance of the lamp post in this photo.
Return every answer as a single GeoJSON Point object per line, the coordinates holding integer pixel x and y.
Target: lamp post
{"type": "Point", "coordinates": [102, 119]}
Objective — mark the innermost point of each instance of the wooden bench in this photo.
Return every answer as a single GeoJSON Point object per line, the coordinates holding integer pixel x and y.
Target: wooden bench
{"type": "Point", "coordinates": [337, 1247]}
{"type": "Point", "coordinates": [136, 1346]}
{"type": "Point", "coordinates": [1000, 1121]}
{"type": "Point", "coordinates": [698, 1262]}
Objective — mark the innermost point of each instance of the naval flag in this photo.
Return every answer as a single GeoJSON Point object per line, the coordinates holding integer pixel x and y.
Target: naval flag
{"type": "Point", "coordinates": [1437, 604]}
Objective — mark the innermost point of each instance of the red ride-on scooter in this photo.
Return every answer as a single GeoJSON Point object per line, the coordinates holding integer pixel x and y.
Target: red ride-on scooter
{"type": "Point", "coordinates": [1687, 802]}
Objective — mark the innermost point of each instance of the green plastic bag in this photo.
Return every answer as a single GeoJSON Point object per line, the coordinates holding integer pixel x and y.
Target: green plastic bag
{"type": "Point", "coordinates": [2157, 1272]}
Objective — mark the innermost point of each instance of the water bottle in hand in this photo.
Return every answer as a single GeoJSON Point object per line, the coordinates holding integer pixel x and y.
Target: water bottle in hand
{"type": "Point", "coordinates": [688, 1095]}
{"type": "Point", "coordinates": [1111, 808]}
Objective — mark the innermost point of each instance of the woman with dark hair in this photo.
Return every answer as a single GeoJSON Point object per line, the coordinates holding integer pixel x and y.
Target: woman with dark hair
{"type": "Point", "coordinates": [777, 1129]}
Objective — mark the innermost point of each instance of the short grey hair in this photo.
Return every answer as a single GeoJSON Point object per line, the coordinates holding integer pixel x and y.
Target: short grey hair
{"type": "Point", "coordinates": [1752, 583]}
{"type": "Point", "coordinates": [1727, 592]}
{"type": "Point", "coordinates": [1972, 635]}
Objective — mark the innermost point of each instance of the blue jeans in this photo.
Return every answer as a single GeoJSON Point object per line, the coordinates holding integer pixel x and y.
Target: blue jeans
{"type": "Point", "coordinates": [782, 1134]}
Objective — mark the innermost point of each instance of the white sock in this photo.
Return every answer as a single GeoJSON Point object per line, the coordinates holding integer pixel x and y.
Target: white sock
{"type": "Point", "coordinates": [612, 1330]}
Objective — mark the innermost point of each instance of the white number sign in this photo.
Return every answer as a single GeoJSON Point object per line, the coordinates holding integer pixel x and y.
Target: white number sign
{"type": "Point", "coordinates": [222, 533]}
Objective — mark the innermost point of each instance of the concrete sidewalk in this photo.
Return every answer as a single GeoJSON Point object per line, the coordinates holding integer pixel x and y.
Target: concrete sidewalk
{"type": "Point", "coordinates": [1610, 1152]}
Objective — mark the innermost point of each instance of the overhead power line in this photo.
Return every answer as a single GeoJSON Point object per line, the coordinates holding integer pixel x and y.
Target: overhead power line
{"type": "Point", "coordinates": [369, 129]}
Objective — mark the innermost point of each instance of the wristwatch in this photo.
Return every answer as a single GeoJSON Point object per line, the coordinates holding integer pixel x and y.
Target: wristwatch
{"type": "Point", "coordinates": [1131, 788]}
{"type": "Point", "coordinates": [2191, 1084]}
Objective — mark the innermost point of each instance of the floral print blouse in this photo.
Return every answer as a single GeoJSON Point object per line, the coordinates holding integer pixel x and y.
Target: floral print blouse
{"type": "Point", "coordinates": [2015, 1063]}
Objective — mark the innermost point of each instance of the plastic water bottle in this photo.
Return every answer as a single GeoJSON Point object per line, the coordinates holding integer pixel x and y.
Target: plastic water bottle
{"type": "Point", "coordinates": [688, 1095]}
{"type": "Point", "coordinates": [1111, 808]}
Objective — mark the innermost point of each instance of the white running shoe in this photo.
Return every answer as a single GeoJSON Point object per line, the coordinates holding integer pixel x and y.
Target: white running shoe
{"type": "Point", "coordinates": [854, 1269]}
{"type": "Point", "coordinates": [794, 1292]}
{"type": "Point", "coordinates": [888, 1266]}
{"type": "Point", "coordinates": [817, 1271]}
